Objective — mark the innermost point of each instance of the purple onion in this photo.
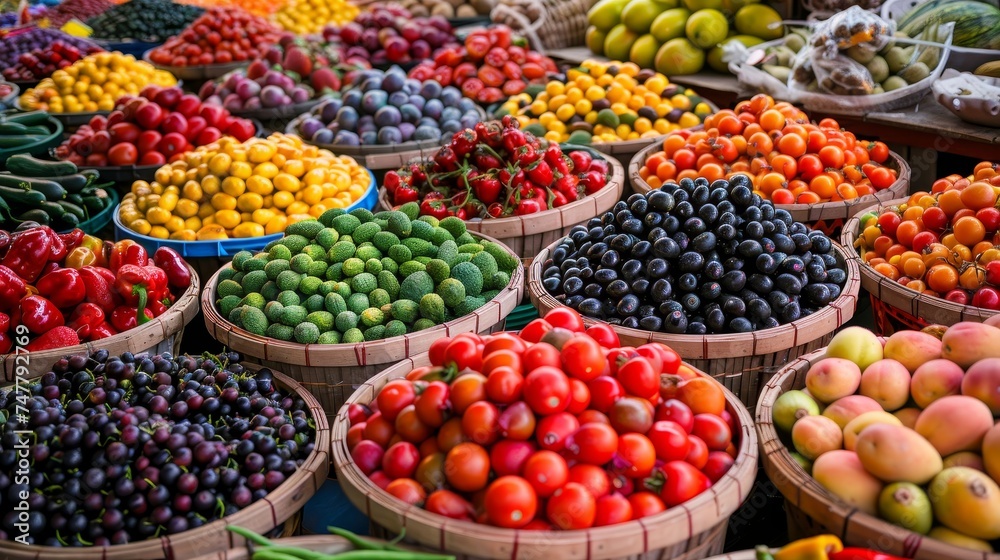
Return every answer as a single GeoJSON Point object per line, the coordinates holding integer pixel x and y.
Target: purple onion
{"type": "Point", "coordinates": [252, 104]}
{"type": "Point", "coordinates": [233, 102]}
{"type": "Point", "coordinates": [309, 127]}
{"type": "Point", "coordinates": [271, 96]}
{"type": "Point", "coordinates": [300, 95]}
{"type": "Point", "coordinates": [247, 89]}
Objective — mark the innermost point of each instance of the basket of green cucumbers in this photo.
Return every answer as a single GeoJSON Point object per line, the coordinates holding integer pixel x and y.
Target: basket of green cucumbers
{"type": "Point", "coordinates": [34, 133]}
{"type": "Point", "coordinates": [54, 193]}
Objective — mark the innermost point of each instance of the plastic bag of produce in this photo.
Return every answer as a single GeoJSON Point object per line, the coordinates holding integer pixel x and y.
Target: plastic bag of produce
{"type": "Point", "coordinates": [838, 75]}
{"type": "Point", "coordinates": [851, 27]}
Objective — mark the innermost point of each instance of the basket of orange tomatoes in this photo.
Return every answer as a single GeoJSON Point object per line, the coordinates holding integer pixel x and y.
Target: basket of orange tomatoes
{"type": "Point", "coordinates": [818, 172]}
{"type": "Point", "coordinates": [932, 258]}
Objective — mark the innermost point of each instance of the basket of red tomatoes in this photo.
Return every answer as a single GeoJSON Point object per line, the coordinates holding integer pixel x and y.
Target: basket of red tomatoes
{"type": "Point", "coordinates": [508, 184]}
{"type": "Point", "coordinates": [553, 438]}
{"type": "Point", "coordinates": [932, 258]}
{"type": "Point", "coordinates": [819, 173]}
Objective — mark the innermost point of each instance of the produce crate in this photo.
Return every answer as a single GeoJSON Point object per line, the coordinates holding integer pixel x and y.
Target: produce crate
{"type": "Point", "coordinates": [333, 371]}
{"type": "Point", "coordinates": [895, 306]}
{"type": "Point", "coordinates": [262, 516]}
{"type": "Point", "coordinates": [161, 334]}
{"type": "Point", "coordinates": [828, 217]}
{"type": "Point", "coordinates": [693, 530]}
{"type": "Point", "coordinates": [529, 234]}
{"type": "Point", "coordinates": [743, 362]}
{"type": "Point", "coordinates": [812, 510]}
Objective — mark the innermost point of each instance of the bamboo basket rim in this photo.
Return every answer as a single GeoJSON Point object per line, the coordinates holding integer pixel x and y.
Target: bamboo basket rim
{"type": "Point", "coordinates": [329, 544]}
{"type": "Point", "coordinates": [623, 539]}
{"type": "Point", "coordinates": [158, 329]}
{"type": "Point", "coordinates": [315, 466]}
{"type": "Point", "coordinates": [546, 220]}
{"type": "Point", "coordinates": [720, 346]}
{"type": "Point", "coordinates": [805, 493]}
{"type": "Point", "coordinates": [739, 555]}
{"type": "Point", "coordinates": [878, 283]}
{"type": "Point", "coordinates": [320, 355]}
{"type": "Point", "coordinates": [803, 212]}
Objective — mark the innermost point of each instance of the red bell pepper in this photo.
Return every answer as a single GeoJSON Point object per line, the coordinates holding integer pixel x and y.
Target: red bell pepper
{"type": "Point", "coordinates": [57, 247]}
{"type": "Point", "coordinates": [72, 239]}
{"type": "Point", "coordinates": [156, 307]}
{"type": "Point", "coordinates": [104, 330]}
{"type": "Point", "coordinates": [125, 317]}
{"type": "Point", "coordinates": [57, 337]}
{"type": "Point", "coordinates": [861, 554]}
{"type": "Point", "coordinates": [173, 264]}
{"type": "Point", "coordinates": [127, 252]}
{"type": "Point", "coordinates": [12, 288]}
{"type": "Point", "coordinates": [98, 290]}
{"type": "Point", "coordinates": [64, 287]}
{"type": "Point", "coordinates": [106, 273]}
{"type": "Point", "coordinates": [40, 315]}
{"type": "Point", "coordinates": [85, 318]}
{"type": "Point", "coordinates": [4, 322]}
{"type": "Point", "coordinates": [137, 285]}
{"type": "Point", "coordinates": [4, 241]}
{"type": "Point", "coordinates": [28, 253]}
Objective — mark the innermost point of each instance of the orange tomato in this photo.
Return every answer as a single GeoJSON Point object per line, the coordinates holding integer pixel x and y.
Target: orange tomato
{"type": "Point", "coordinates": [972, 278]}
{"type": "Point", "coordinates": [969, 231]}
{"type": "Point", "coordinates": [950, 201]}
{"type": "Point", "coordinates": [786, 165]}
{"type": "Point", "coordinates": [823, 185]}
{"type": "Point", "coordinates": [942, 278]}
{"type": "Point", "coordinates": [906, 231]}
{"type": "Point", "coordinates": [792, 145]}
{"type": "Point", "coordinates": [702, 395]}
{"type": "Point", "coordinates": [979, 195]}
{"type": "Point", "coordinates": [887, 270]}
{"type": "Point", "coordinates": [782, 196]}
{"type": "Point", "coordinates": [832, 156]}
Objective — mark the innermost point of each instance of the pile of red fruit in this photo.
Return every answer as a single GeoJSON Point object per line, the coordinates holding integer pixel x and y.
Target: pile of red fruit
{"type": "Point", "coordinates": [76, 9]}
{"type": "Point", "coordinates": [490, 67]}
{"type": "Point", "coordinates": [389, 34]}
{"type": "Point", "coordinates": [41, 63]}
{"type": "Point", "coordinates": [555, 427]}
{"type": "Point", "coordinates": [156, 127]}
{"type": "Point", "coordinates": [219, 36]}
{"type": "Point", "coordinates": [494, 171]}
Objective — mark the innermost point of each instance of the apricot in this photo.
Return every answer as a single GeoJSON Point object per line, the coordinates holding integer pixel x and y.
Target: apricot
{"type": "Point", "coordinates": [955, 423]}
{"type": "Point", "coordinates": [848, 408]}
{"type": "Point", "coordinates": [966, 343]}
{"type": "Point", "coordinates": [912, 348]}
{"type": "Point", "coordinates": [908, 416]}
{"type": "Point", "coordinates": [897, 454]}
{"type": "Point", "coordinates": [969, 459]}
{"type": "Point", "coordinates": [833, 378]}
{"type": "Point", "coordinates": [967, 501]}
{"type": "Point", "coordinates": [813, 436]}
{"type": "Point", "coordinates": [843, 475]}
{"type": "Point", "coordinates": [935, 379]}
{"type": "Point", "coordinates": [982, 381]}
{"type": "Point", "coordinates": [854, 427]}
{"type": "Point", "coordinates": [887, 382]}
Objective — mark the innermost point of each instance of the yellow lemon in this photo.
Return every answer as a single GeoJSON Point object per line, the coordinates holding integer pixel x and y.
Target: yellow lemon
{"type": "Point", "coordinates": [157, 215]}
{"type": "Point", "coordinates": [282, 199]}
{"type": "Point", "coordinates": [212, 232]}
{"type": "Point", "coordinates": [241, 170]}
{"type": "Point", "coordinates": [266, 170]}
{"type": "Point", "coordinates": [140, 226]}
{"type": "Point", "coordinates": [263, 216]}
{"type": "Point", "coordinates": [248, 229]}
{"type": "Point", "coordinates": [276, 225]}
{"type": "Point", "coordinates": [227, 218]}
{"type": "Point", "coordinates": [209, 186]}
{"type": "Point", "coordinates": [193, 224]}
{"type": "Point", "coordinates": [219, 164]}
{"type": "Point", "coordinates": [175, 223]}
{"type": "Point", "coordinates": [260, 185]}
{"type": "Point", "coordinates": [261, 151]}
{"type": "Point", "coordinates": [233, 186]}
{"type": "Point", "coordinates": [287, 183]}
{"type": "Point", "coordinates": [159, 232]}
{"type": "Point", "coordinates": [248, 202]}
{"type": "Point", "coordinates": [297, 207]}
{"type": "Point", "coordinates": [221, 201]}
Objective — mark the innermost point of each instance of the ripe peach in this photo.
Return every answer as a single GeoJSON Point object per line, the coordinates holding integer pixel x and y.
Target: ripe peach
{"type": "Point", "coordinates": [850, 407]}
{"type": "Point", "coordinates": [982, 381]}
{"type": "Point", "coordinates": [908, 416]}
{"type": "Point", "coordinates": [897, 454]}
{"type": "Point", "coordinates": [856, 344]}
{"type": "Point", "coordinates": [935, 379]}
{"type": "Point", "coordinates": [969, 459]}
{"type": "Point", "coordinates": [991, 452]}
{"type": "Point", "coordinates": [955, 423]}
{"type": "Point", "coordinates": [888, 382]}
{"type": "Point", "coordinates": [813, 436]}
{"type": "Point", "coordinates": [966, 343]}
{"type": "Point", "coordinates": [843, 475]}
{"type": "Point", "coordinates": [912, 348]}
{"type": "Point", "coordinates": [833, 378]}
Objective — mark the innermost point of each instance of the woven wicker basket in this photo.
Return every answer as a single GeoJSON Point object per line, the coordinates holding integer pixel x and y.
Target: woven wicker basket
{"type": "Point", "coordinates": [262, 516]}
{"type": "Point", "coordinates": [828, 217]}
{"type": "Point", "coordinates": [547, 24]}
{"type": "Point", "coordinates": [894, 304]}
{"type": "Point", "coordinates": [527, 235]}
{"type": "Point", "coordinates": [333, 371]}
{"type": "Point", "coordinates": [693, 530]}
{"type": "Point", "coordinates": [327, 544]}
{"type": "Point", "coordinates": [812, 510]}
{"type": "Point", "coordinates": [739, 555]}
{"type": "Point", "coordinates": [162, 334]}
{"type": "Point", "coordinates": [742, 362]}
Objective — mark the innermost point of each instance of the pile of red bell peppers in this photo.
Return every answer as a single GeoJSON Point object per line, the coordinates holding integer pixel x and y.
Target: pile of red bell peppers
{"type": "Point", "coordinates": [69, 288]}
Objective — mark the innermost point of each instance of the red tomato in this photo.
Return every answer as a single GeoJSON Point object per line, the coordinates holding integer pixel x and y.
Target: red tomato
{"type": "Point", "coordinates": [637, 454]}
{"type": "Point", "coordinates": [934, 219]}
{"type": "Point", "coordinates": [467, 389]}
{"type": "Point", "coordinates": [433, 406]}
{"type": "Point", "coordinates": [355, 434]}
{"type": "Point", "coordinates": [612, 509]}
{"type": "Point", "coordinates": [449, 504]}
{"type": "Point", "coordinates": [501, 358]}
{"type": "Point", "coordinates": [510, 502]}
{"type": "Point", "coordinates": [714, 431]}
{"type": "Point", "coordinates": [925, 238]}
{"type": "Point", "coordinates": [594, 478]}
{"type": "Point", "coordinates": [652, 352]}
{"type": "Point", "coordinates": [583, 358]}
{"type": "Point", "coordinates": [538, 355]}
{"type": "Point", "coordinates": [124, 132]}
{"type": "Point", "coordinates": [401, 460]}
{"type": "Point", "coordinates": [572, 507]}
{"type": "Point", "coordinates": [533, 331]}
{"type": "Point", "coordinates": [357, 413]}
{"type": "Point", "coordinates": [604, 392]}
{"type": "Point", "coordinates": [719, 463]}
{"type": "Point", "coordinates": [639, 378]}
{"type": "Point", "coordinates": [604, 335]}
{"type": "Point", "coordinates": [594, 444]}
{"type": "Point", "coordinates": [379, 479]}
{"type": "Point", "coordinates": [515, 422]}
{"type": "Point", "coordinates": [394, 397]}
{"type": "Point", "coordinates": [450, 434]}
{"type": "Point", "coordinates": [409, 427]}
{"type": "Point", "coordinates": [467, 467]}
{"type": "Point", "coordinates": [480, 423]}
{"type": "Point", "coordinates": [553, 430]}
{"type": "Point", "coordinates": [682, 482]}
{"type": "Point", "coordinates": [152, 158]}
{"type": "Point", "coordinates": [677, 411]}
{"type": "Point", "coordinates": [990, 217]}
{"type": "Point", "coordinates": [671, 359]}
{"type": "Point", "coordinates": [379, 429]}
{"type": "Point", "coordinates": [508, 456]}
{"type": "Point", "coordinates": [367, 455]}
{"type": "Point", "coordinates": [566, 318]}
{"type": "Point", "coordinates": [618, 356]}
{"type": "Point", "coordinates": [504, 341]}
{"type": "Point", "coordinates": [698, 454]}
{"type": "Point", "coordinates": [670, 441]}
{"type": "Point", "coordinates": [504, 385]}
{"type": "Point", "coordinates": [645, 504]}
{"type": "Point", "coordinates": [588, 416]}
{"type": "Point", "coordinates": [579, 396]}
{"type": "Point", "coordinates": [888, 222]}
{"type": "Point", "coordinates": [408, 490]}
{"type": "Point", "coordinates": [546, 471]}
{"type": "Point", "coordinates": [463, 352]}
{"type": "Point", "coordinates": [437, 350]}
{"type": "Point", "coordinates": [546, 390]}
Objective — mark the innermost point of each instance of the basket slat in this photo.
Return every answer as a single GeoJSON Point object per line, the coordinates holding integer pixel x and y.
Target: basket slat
{"type": "Point", "coordinates": [162, 334]}
{"type": "Point", "coordinates": [886, 292]}
{"type": "Point", "coordinates": [333, 371]}
{"type": "Point", "coordinates": [742, 362]}
{"type": "Point", "coordinates": [261, 516]}
{"type": "Point", "coordinates": [693, 530]}
{"type": "Point", "coordinates": [811, 509]}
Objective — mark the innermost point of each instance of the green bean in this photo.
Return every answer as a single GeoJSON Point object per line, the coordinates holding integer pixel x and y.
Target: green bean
{"type": "Point", "coordinates": [297, 552]}
{"type": "Point", "coordinates": [389, 555]}
{"type": "Point", "coordinates": [361, 543]}
{"type": "Point", "coordinates": [268, 554]}
{"type": "Point", "coordinates": [250, 535]}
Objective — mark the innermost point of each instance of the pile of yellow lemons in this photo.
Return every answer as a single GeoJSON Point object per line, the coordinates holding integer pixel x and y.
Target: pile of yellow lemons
{"type": "Point", "coordinates": [303, 17]}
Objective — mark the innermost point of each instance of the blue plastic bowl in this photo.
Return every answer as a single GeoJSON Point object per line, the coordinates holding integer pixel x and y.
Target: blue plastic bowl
{"type": "Point", "coordinates": [225, 248]}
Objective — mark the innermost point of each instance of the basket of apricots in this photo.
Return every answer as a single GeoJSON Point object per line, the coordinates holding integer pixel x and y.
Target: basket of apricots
{"type": "Point", "coordinates": [932, 258]}
{"type": "Point", "coordinates": [818, 172]}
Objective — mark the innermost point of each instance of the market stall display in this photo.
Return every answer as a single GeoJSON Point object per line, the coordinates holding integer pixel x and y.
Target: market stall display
{"type": "Point", "coordinates": [41, 62]}
{"type": "Point", "coordinates": [548, 24]}
{"type": "Point", "coordinates": [493, 429]}
{"type": "Point", "coordinates": [52, 194]}
{"type": "Point", "coordinates": [203, 460]}
{"type": "Point", "coordinates": [389, 34]}
{"type": "Point", "coordinates": [455, 11]}
{"type": "Point", "coordinates": [35, 41]}
{"type": "Point", "coordinates": [80, 10]}
{"type": "Point", "coordinates": [921, 479]}
{"type": "Point", "coordinates": [146, 21]}
{"type": "Point", "coordinates": [306, 17]}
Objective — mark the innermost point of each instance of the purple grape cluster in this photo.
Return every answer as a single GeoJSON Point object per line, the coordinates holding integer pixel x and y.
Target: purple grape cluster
{"type": "Point", "coordinates": [38, 38]}
{"type": "Point", "coordinates": [132, 447]}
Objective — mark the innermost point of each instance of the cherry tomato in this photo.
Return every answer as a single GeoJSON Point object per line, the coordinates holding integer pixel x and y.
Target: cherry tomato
{"type": "Point", "coordinates": [618, 356]}
{"type": "Point", "coordinates": [594, 444]}
{"type": "Point", "coordinates": [464, 353]}
{"type": "Point", "coordinates": [432, 406]}
{"type": "Point", "coordinates": [588, 416]}
{"type": "Point", "coordinates": [533, 331]}
{"type": "Point", "coordinates": [123, 154]}
{"type": "Point", "coordinates": [583, 359]}
{"type": "Point", "coordinates": [504, 385]}
{"type": "Point", "coordinates": [566, 318]}
{"type": "Point", "coordinates": [480, 423]}
{"type": "Point", "coordinates": [467, 467]}
{"type": "Point", "coordinates": [579, 396]}
{"type": "Point", "coordinates": [410, 428]}
{"type": "Point", "coordinates": [449, 504]}
{"type": "Point", "coordinates": [436, 353]}
{"type": "Point", "coordinates": [645, 504]}
{"type": "Point", "coordinates": [604, 335]}
{"type": "Point", "coordinates": [682, 482]}
{"type": "Point", "coordinates": [401, 460]}
{"type": "Point", "coordinates": [572, 507]}
{"type": "Point", "coordinates": [553, 430]}
{"type": "Point", "coordinates": [395, 396]}
{"type": "Point", "coordinates": [670, 441]}
{"type": "Point", "coordinates": [612, 509]}
{"type": "Point", "coordinates": [510, 502]}
{"type": "Point", "coordinates": [604, 392]}
{"type": "Point", "coordinates": [888, 222]}
{"type": "Point", "coordinates": [538, 355]}
{"type": "Point", "coordinates": [594, 478]}
{"type": "Point", "coordinates": [698, 454]}
{"type": "Point", "coordinates": [719, 463]}
{"type": "Point", "coordinates": [367, 455]}
{"type": "Point", "coordinates": [546, 471]}
{"type": "Point", "coordinates": [515, 422]}
{"type": "Point", "coordinates": [547, 390]}
{"type": "Point", "coordinates": [631, 414]}
{"type": "Point", "coordinates": [923, 239]}
{"type": "Point", "coordinates": [637, 454]}
{"type": "Point", "coordinates": [467, 389]}
{"type": "Point", "coordinates": [408, 490]}
{"type": "Point", "coordinates": [639, 377]}
{"type": "Point", "coordinates": [508, 456]}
